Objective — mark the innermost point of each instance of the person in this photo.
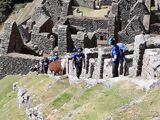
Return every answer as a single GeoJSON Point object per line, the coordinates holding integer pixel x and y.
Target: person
{"type": "Point", "coordinates": [74, 52]}
{"type": "Point", "coordinates": [44, 64]}
{"type": "Point", "coordinates": [78, 62]}
{"type": "Point", "coordinates": [54, 57]}
{"type": "Point", "coordinates": [115, 54]}
{"type": "Point", "coordinates": [122, 49]}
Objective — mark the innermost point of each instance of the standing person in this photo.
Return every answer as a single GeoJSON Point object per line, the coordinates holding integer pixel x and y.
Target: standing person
{"type": "Point", "coordinates": [74, 52]}
{"type": "Point", "coordinates": [78, 62]}
{"type": "Point", "coordinates": [45, 63]}
{"type": "Point", "coordinates": [115, 54]}
{"type": "Point", "coordinates": [122, 49]}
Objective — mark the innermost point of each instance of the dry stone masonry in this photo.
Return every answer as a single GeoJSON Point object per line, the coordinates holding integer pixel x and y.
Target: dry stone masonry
{"type": "Point", "coordinates": [19, 64]}
{"type": "Point", "coordinates": [146, 56]}
{"type": "Point", "coordinates": [53, 25]}
{"type": "Point", "coordinates": [25, 101]}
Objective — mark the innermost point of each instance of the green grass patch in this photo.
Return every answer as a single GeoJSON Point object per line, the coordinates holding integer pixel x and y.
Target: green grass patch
{"type": "Point", "coordinates": [144, 110]}
{"type": "Point", "coordinates": [61, 100]}
{"type": "Point", "coordinates": [8, 106]}
{"type": "Point", "coordinates": [107, 101]}
{"type": "Point", "coordinates": [6, 85]}
{"type": "Point", "coordinates": [94, 103]}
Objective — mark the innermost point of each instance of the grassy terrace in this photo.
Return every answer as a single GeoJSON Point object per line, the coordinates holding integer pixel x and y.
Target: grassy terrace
{"type": "Point", "coordinates": [95, 103]}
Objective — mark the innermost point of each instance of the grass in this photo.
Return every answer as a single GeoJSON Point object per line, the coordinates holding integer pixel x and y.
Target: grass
{"type": "Point", "coordinates": [91, 12]}
{"type": "Point", "coordinates": [8, 106]}
{"type": "Point", "coordinates": [95, 103]}
{"type": "Point", "coordinates": [106, 102]}
{"type": "Point", "coordinates": [60, 101]}
{"type": "Point", "coordinates": [145, 110]}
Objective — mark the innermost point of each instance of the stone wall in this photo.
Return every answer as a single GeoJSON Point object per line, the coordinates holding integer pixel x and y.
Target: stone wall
{"type": "Point", "coordinates": [84, 3]}
{"type": "Point", "coordinates": [139, 49]}
{"type": "Point", "coordinates": [14, 64]}
{"type": "Point", "coordinates": [151, 68]}
{"type": "Point", "coordinates": [62, 39]}
{"type": "Point", "coordinates": [146, 56]}
{"type": "Point", "coordinates": [132, 18]}
{"type": "Point", "coordinates": [139, 9]}
{"type": "Point", "coordinates": [57, 8]}
{"type": "Point", "coordinates": [124, 11]}
{"type": "Point", "coordinates": [106, 2]}
{"type": "Point", "coordinates": [43, 42]}
{"type": "Point", "coordinates": [11, 40]}
{"type": "Point", "coordinates": [90, 24]}
{"type": "Point", "coordinates": [157, 5]}
{"type": "Point", "coordinates": [133, 28]}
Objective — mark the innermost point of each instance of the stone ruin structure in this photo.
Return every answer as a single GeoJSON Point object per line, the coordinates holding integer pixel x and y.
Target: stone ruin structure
{"type": "Point", "coordinates": [24, 101]}
{"type": "Point", "coordinates": [54, 25]}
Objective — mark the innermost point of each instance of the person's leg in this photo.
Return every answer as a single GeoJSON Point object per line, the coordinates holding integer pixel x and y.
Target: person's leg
{"type": "Point", "coordinates": [78, 70]}
{"type": "Point", "coordinates": [43, 69]}
{"type": "Point", "coordinates": [115, 70]}
{"type": "Point", "coordinates": [121, 67]}
{"type": "Point", "coordinates": [46, 69]}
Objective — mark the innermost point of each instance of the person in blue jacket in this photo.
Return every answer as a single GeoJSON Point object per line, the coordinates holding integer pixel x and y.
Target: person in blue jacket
{"type": "Point", "coordinates": [78, 61]}
{"type": "Point", "coordinates": [45, 62]}
{"type": "Point", "coordinates": [115, 54]}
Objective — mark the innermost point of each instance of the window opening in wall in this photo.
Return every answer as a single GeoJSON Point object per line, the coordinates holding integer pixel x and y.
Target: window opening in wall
{"type": "Point", "coordinates": [0, 41]}
{"type": "Point", "coordinates": [58, 18]}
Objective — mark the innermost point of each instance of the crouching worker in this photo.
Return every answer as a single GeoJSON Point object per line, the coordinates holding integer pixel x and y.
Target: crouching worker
{"type": "Point", "coordinates": [115, 54]}
{"type": "Point", "coordinates": [78, 62]}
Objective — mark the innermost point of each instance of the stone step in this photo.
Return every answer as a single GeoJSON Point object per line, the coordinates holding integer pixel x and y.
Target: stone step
{"type": "Point", "coordinates": [155, 28]}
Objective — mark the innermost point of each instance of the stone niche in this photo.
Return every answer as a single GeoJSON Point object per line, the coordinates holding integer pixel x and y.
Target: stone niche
{"type": "Point", "coordinates": [11, 40]}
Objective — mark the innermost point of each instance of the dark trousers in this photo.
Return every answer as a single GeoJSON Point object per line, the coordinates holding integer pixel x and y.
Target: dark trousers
{"type": "Point", "coordinates": [78, 70]}
{"type": "Point", "coordinates": [121, 67]}
{"type": "Point", "coordinates": [115, 69]}
{"type": "Point", "coordinates": [45, 69]}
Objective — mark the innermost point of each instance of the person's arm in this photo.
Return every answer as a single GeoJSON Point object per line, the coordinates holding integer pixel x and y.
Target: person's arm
{"type": "Point", "coordinates": [115, 57]}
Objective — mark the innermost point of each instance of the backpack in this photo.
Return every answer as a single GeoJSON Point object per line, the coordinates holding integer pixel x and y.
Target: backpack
{"type": "Point", "coordinates": [122, 49]}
